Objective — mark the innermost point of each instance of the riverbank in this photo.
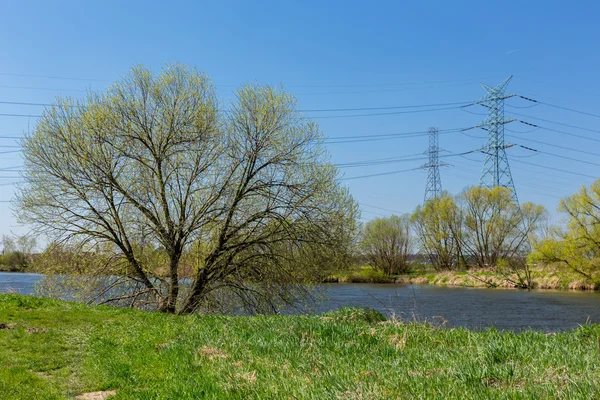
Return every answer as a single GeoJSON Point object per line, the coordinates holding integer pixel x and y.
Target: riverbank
{"type": "Point", "coordinates": [546, 278]}
{"type": "Point", "coordinates": [52, 349]}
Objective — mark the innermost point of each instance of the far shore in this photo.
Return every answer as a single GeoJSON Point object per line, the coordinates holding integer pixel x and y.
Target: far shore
{"type": "Point", "coordinates": [478, 278]}
{"type": "Point", "coordinates": [482, 278]}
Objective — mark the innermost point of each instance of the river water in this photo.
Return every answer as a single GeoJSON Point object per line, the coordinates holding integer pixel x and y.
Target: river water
{"type": "Point", "coordinates": [474, 308]}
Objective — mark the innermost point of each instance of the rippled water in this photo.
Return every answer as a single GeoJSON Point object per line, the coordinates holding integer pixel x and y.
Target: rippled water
{"type": "Point", "coordinates": [546, 310]}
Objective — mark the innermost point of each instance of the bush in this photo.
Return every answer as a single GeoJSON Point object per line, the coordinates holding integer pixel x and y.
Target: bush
{"type": "Point", "coordinates": [386, 243]}
{"type": "Point", "coordinates": [14, 261]}
{"type": "Point", "coordinates": [355, 314]}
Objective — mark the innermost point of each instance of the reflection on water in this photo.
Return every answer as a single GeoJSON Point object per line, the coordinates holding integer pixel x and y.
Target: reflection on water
{"type": "Point", "coordinates": [459, 307]}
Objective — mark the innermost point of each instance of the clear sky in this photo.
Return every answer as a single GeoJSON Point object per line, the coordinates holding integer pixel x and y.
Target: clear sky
{"type": "Point", "coordinates": [338, 54]}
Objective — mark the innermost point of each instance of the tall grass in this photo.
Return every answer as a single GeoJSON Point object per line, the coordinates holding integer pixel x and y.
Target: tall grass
{"type": "Point", "coordinates": [56, 350]}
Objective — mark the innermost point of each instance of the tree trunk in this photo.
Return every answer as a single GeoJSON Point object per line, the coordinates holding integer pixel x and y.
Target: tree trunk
{"type": "Point", "coordinates": [190, 304]}
{"type": "Point", "coordinates": [171, 303]}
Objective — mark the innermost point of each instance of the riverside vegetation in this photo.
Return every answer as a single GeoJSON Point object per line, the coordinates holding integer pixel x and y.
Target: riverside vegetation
{"type": "Point", "coordinates": [59, 350]}
{"type": "Point", "coordinates": [482, 238]}
{"type": "Point", "coordinates": [542, 277]}
{"type": "Point", "coordinates": [187, 207]}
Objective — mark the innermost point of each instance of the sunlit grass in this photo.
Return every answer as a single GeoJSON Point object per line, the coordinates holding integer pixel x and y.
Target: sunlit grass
{"type": "Point", "coordinates": [58, 350]}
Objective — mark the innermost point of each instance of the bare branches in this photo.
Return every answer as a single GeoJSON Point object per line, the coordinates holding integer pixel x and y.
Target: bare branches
{"type": "Point", "coordinates": [152, 168]}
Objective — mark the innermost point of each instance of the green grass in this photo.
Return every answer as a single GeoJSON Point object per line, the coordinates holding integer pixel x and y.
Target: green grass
{"type": "Point", "coordinates": [57, 350]}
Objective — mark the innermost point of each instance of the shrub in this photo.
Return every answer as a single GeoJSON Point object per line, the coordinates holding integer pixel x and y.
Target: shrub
{"type": "Point", "coordinates": [355, 314]}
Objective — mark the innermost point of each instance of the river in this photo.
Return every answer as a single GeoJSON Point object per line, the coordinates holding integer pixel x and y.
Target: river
{"type": "Point", "coordinates": [474, 308]}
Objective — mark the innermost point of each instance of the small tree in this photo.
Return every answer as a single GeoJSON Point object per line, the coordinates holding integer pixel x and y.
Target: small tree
{"type": "Point", "coordinates": [386, 243]}
{"type": "Point", "coordinates": [496, 228]}
{"type": "Point", "coordinates": [17, 252]}
{"type": "Point", "coordinates": [577, 247]}
{"type": "Point", "coordinates": [437, 225]}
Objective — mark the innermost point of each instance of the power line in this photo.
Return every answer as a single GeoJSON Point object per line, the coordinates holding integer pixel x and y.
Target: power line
{"type": "Point", "coordinates": [529, 183]}
{"type": "Point", "coordinates": [373, 212]}
{"type": "Point", "coordinates": [380, 160]}
{"type": "Point", "coordinates": [567, 181]}
{"type": "Point", "coordinates": [556, 169]}
{"type": "Point", "coordinates": [297, 86]}
{"type": "Point", "coordinates": [380, 208]}
{"type": "Point", "coordinates": [40, 88]}
{"type": "Point", "coordinates": [547, 190]}
{"type": "Point", "coordinates": [560, 107]}
{"type": "Point", "coordinates": [560, 87]}
{"type": "Point", "coordinates": [391, 160]}
{"type": "Point", "coordinates": [536, 128]}
{"type": "Point", "coordinates": [570, 109]}
{"type": "Point", "coordinates": [469, 81]}
{"type": "Point", "coordinates": [555, 145]}
{"type": "Point", "coordinates": [414, 85]}
{"type": "Point", "coordinates": [385, 113]}
{"type": "Point", "coordinates": [352, 138]}
{"type": "Point", "coordinates": [23, 103]}
{"type": "Point", "coordinates": [559, 131]}
{"type": "Point", "coordinates": [404, 170]}
{"type": "Point", "coordinates": [380, 174]}
{"type": "Point", "coordinates": [383, 108]}
{"type": "Point", "coordinates": [313, 117]}
{"type": "Point", "coordinates": [54, 77]}
{"type": "Point", "coordinates": [554, 122]}
{"type": "Point", "coordinates": [20, 115]}
{"type": "Point", "coordinates": [369, 138]}
{"type": "Point", "coordinates": [559, 156]}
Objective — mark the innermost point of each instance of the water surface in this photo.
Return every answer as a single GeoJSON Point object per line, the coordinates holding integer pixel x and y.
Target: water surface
{"type": "Point", "coordinates": [511, 309]}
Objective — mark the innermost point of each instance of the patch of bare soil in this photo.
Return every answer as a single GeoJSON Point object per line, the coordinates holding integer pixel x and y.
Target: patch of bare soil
{"type": "Point", "coordinates": [97, 395]}
{"type": "Point", "coordinates": [212, 353]}
{"type": "Point", "coordinates": [36, 330]}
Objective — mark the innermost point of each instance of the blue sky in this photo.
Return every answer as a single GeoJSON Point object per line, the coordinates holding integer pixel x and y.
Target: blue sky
{"type": "Point", "coordinates": [334, 54]}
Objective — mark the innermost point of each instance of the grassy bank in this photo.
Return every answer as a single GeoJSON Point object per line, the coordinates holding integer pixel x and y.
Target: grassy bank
{"type": "Point", "coordinates": [56, 350]}
{"type": "Point", "coordinates": [543, 278]}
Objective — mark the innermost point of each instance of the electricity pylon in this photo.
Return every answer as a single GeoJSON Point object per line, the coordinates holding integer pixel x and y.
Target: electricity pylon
{"type": "Point", "coordinates": [496, 171]}
{"type": "Point", "coordinates": [434, 183]}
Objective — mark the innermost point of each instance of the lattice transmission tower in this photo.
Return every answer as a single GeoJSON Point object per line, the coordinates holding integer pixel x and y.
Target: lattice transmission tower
{"type": "Point", "coordinates": [433, 188]}
{"type": "Point", "coordinates": [496, 171]}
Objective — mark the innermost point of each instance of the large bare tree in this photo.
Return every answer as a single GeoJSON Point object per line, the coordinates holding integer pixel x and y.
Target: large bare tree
{"type": "Point", "coordinates": [247, 194]}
